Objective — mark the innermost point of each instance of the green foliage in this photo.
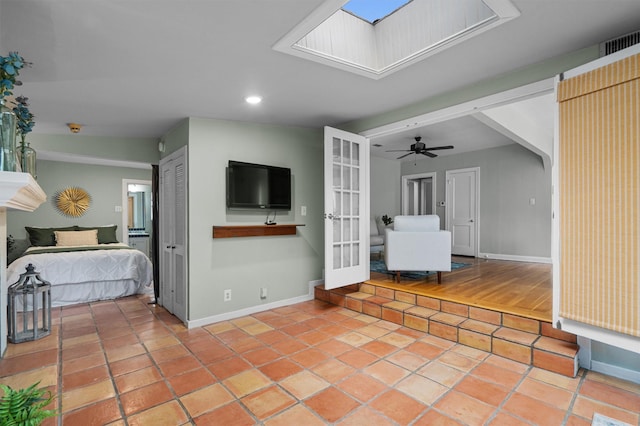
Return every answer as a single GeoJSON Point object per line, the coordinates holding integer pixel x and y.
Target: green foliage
{"type": "Point", "coordinates": [387, 220]}
{"type": "Point", "coordinates": [10, 67]}
{"type": "Point", "coordinates": [24, 116]}
{"type": "Point", "coordinates": [25, 407]}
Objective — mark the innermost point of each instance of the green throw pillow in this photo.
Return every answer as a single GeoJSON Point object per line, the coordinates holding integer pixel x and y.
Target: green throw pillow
{"type": "Point", "coordinates": [45, 236]}
{"type": "Point", "coordinates": [106, 234]}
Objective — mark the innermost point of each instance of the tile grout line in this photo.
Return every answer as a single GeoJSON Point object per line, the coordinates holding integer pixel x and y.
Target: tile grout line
{"type": "Point", "coordinates": [513, 390]}
{"type": "Point", "coordinates": [575, 397]}
{"type": "Point", "coordinates": [108, 365]}
{"type": "Point", "coordinates": [59, 379]}
{"type": "Point", "coordinates": [157, 366]}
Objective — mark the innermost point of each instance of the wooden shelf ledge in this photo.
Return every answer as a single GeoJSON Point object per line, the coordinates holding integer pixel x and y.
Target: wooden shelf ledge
{"type": "Point", "coordinates": [234, 231]}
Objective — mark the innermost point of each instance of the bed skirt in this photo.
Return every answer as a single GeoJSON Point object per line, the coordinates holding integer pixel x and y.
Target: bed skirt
{"type": "Point", "coordinates": [75, 293]}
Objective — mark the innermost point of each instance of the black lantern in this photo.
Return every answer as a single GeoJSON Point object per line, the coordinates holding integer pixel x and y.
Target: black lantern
{"type": "Point", "coordinates": [30, 293]}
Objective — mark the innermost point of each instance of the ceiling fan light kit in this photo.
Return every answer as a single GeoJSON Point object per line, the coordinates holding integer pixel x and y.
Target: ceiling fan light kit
{"type": "Point", "coordinates": [420, 148]}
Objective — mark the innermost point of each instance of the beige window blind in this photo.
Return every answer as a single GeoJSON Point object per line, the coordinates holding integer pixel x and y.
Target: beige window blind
{"type": "Point", "coordinates": [599, 179]}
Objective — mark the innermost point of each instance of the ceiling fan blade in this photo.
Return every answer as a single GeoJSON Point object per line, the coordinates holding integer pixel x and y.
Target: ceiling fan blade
{"type": "Point", "coordinates": [402, 156]}
{"type": "Point", "coordinates": [400, 150]}
{"type": "Point", "coordinates": [436, 148]}
{"type": "Point", "coordinates": [428, 154]}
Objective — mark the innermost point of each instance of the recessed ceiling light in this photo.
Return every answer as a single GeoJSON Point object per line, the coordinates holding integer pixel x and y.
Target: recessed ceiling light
{"type": "Point", "coordinates": [253, 100]}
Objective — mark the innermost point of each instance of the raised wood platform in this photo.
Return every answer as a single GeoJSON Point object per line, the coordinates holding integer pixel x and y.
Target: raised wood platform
{"type": "Point", "coordinates": [516, 329]}
{"type": "Point", "coordinates": [518, 288]}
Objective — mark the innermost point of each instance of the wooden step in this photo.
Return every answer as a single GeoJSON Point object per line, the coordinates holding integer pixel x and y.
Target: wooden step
{"type": "Point", "coordinates": [525, 340]}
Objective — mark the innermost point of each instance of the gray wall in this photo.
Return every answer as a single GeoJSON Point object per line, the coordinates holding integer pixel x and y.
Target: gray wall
{"type": "Point", "coordinates": [509, 177]}
{"type": "Point", "coordinates": [385, 188]}
{"type": "Point", "coordinates": [103, 183]}
{"type": "Point", "coordinates": [283, 264]}
{"type": "Point", "coordinates": [615, 356]}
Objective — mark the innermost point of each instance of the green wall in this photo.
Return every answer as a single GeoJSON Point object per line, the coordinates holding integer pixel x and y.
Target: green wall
{"type": "Point", "coordinates": [283, 264]}
{"type": "Point", "coordinates": [103, 183]}
{"type": "Point", "coordinates": [141, 150]}
{"type": "Point", "coordinates": [176, 138]}
{"type": "Point", "coordinates": [500, 83]}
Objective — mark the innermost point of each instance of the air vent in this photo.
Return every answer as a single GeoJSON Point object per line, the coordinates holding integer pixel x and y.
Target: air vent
{"type": "Point", "coordinates": [613, 45]}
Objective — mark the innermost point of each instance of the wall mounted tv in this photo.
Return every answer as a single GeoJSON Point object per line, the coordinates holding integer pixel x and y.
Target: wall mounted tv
{"type": "Point", "coordinates": [258, 186]}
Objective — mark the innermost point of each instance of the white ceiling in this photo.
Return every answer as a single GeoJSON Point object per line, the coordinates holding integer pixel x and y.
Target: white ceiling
{"type": "Point", "coordinates": [135, 68]}
{"type": "Point", "coordinates": [464, 133]}
{"type": "Point", "coordinates": [467, 133]}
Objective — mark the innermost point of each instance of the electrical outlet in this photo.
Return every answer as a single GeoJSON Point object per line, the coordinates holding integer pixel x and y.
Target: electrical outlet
{"type": "Point", "coordinates": [227, 295]}
{"type": "Point", "coordinates": [263, 293]}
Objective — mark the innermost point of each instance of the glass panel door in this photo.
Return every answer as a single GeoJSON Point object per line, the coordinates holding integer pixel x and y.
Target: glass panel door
{"type": "Point", "coordinates": [346, 208]}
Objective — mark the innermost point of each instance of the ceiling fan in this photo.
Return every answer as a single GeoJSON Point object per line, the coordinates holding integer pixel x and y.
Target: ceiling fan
{"type": "Point", "coordinates": [421, 148]}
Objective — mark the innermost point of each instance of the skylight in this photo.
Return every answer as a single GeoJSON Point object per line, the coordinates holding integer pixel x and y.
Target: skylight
{"type": "Point", "coordinates": [343, 35]}
{"type": "Point", "coordinates": [373, 10]}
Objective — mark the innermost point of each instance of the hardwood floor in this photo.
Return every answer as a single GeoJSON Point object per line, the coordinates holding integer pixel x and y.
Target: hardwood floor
{"type": "Point", "coordinates": [517, 288]}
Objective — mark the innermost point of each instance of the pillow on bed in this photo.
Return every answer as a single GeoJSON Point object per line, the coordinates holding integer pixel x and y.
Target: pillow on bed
{"type": "Point", "coordinates": [45, 236]}
{"type": "Point", "coordinates": [77, 238]}
{"type": "Point", "coordinates": [106, 234]}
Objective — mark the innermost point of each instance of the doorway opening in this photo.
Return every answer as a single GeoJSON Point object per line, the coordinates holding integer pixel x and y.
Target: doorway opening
{"type": "Point", "coordinates": [137, 214]}
{"type": "Point", "coordinates": [419, 194]}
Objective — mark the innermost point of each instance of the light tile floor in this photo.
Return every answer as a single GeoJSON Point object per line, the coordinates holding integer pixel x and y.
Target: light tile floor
{"type": "Point", "coordinates": [127, 362]}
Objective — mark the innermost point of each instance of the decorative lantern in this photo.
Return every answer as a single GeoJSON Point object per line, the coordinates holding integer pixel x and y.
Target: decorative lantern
{"type": "Point", "coordinates": [30, 293]}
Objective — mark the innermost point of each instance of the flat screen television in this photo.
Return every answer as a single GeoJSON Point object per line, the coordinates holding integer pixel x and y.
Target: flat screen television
{"type": "Point", "coordinates": [258, 186]}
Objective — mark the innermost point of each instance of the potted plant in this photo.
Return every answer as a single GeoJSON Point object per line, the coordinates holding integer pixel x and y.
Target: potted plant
{"type": "Point", "coordinates": [25, 406]}
{"type": "Point", "coordinates": [387, 220]}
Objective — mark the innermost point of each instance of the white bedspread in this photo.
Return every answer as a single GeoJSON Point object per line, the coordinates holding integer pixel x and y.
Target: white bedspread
{"type": "Point", "coordinates": [92, 267]}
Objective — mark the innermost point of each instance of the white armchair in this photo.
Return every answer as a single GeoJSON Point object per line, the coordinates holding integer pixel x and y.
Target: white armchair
{"type": "Point", "coordinates": [416, 243]}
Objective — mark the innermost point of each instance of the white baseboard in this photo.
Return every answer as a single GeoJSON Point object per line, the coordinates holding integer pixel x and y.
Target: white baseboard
{"type": "Point", "coordinates": [615, 371]}
{"type": "Point", "coordinates": [255, 309]}
{"type": "Point", "coordinates": [515, 258]}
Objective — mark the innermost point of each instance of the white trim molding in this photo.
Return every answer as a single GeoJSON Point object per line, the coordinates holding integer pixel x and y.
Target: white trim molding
{"type": "Point", "coordinates": [466, 108]}
{"type": "Point", "coordinates": [255, 309]}
{"type": "Point", "coordinates": [515, 258]}
{"type": "Point", "coordinates": [586, 362]}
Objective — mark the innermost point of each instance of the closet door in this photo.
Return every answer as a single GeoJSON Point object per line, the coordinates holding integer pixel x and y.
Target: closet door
{"type": "Point", "coordinates": [173, 233]}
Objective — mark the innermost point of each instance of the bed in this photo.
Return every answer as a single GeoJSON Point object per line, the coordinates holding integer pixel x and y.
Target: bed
{"type": "Point", "coordinates": [81, 273]}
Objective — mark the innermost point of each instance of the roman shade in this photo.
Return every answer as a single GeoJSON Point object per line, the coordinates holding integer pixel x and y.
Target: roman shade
{"type": "Point", "coordinates": [599, 193]}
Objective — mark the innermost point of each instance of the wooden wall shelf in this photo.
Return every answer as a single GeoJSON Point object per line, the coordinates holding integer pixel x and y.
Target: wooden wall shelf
{"type": "Point", "coordinates": [253, 230]}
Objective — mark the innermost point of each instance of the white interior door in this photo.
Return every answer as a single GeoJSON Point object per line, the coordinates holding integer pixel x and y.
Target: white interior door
{"type": "Point", "coordinates": [462, 210]}
{"type": "Point", "coordinates": [346, 208]}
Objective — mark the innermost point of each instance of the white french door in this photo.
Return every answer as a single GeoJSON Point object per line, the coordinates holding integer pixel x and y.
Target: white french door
{"type": "Point", "coordinates": [462, 210]}
{"type": "Point", "coordinates": [346, 208]}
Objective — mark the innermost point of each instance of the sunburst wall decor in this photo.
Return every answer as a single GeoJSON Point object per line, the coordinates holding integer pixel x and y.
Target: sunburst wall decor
{"type": "Point", "coordinates": [72, 201]}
